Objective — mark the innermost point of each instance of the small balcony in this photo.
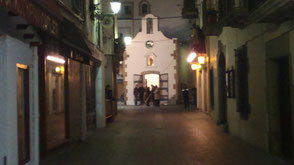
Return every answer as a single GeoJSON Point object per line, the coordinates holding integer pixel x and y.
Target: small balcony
{"type": "Point", "coordinates": [273, 11]}
{"type": "Point", "coordinates": [211, 23]}
{"type": "Point", "coordinates": [189, 10]}
{"type": "Point", "coordinates": [234, 13]}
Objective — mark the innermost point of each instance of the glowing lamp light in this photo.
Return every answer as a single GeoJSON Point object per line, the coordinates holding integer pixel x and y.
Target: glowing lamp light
{"type": "Point", "coordinates": [115, 6]}
{"type": "Point", "coordinates": [196, 66]}
{"type": "Point", "coordinates": [201, 60]}
{"type": "Point", "coordinates": [191, 57]}
{"type": "Point", "coordinates": [57, 69]}
{"type": "Point", "coordinates": [62, 69]}
{"type": "Point", "coordinates": [128, 40]}
{"type": "Point", "coordinates": [55, 59]}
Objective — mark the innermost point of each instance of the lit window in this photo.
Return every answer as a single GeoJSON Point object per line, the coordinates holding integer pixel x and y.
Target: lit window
{"type": "Point", "coordinates": [150, 61]}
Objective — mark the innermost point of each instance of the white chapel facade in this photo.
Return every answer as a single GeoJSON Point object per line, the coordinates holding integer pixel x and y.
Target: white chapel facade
{"type": "Point", "coordinates": [151, 59]}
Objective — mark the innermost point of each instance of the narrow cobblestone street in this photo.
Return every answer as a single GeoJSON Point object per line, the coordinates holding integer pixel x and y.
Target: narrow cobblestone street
{"type": "Point", "coordinates": [165, 136]}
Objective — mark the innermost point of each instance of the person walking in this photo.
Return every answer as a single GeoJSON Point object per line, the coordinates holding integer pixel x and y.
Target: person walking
{"type": "Point", "coordinates": [136, 94]}
{"type": "Point", "coordinates": [141, 95]}
{"type": "Point", "coordinates": [148, 96]}
{"type": "Point", "coordinates": [157, 96]}
{"type": "Point", "coordinates": [185, 95]}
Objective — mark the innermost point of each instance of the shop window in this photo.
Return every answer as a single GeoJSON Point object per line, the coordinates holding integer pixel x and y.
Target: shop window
{"type": "Point", "coordinates": [149, 25]}
{"type": "Point", "coordinates": [150, 61]}
{"type": "Point", "coordinates": [242, 70]}
{"type": "Point", "coordinates": [144, 8]}
{"type": "Point", "coordinates": [23, 113]}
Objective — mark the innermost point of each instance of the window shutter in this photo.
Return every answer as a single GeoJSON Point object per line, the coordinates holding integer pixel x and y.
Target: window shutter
{"type": "Point", "coordinates": [242, 95]}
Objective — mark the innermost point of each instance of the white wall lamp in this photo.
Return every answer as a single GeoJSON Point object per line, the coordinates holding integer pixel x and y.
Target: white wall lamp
{"type": "Point", "coordinates": [191, 57]}
{"type": "Point", "coordinates": [115, 6]}
{"type": "Point", "coordinates": [96, 11]}
{"type": "Point", "coordinates": [202, 58]}
{"type": "Point", "coordinates": [128, 40]}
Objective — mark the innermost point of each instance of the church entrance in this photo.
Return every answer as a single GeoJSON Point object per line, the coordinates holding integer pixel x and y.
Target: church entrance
{"type": "Point", "coordinates": [151, 79]}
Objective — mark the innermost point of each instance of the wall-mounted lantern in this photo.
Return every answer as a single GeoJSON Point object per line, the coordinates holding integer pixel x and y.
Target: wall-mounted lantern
{"type": "Point", "coordinates": [202, 58]}
{"type": "Point", "coordinates": [115, 6]}
{"type": "Point", "coordinates": [196, 66]}
{"type": "Point", "coordinates": [96, 11]}
{"type": "Point", "coordinates": [191, 57]}
{"type": "Point", "coordinates": [128, 40]}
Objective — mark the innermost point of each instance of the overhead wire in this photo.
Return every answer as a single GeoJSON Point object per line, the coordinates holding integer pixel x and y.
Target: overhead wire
{"type": "Point", "coordinates": [172, 17]}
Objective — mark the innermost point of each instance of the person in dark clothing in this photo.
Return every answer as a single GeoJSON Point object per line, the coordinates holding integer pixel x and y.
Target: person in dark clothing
{"type": "Point", "coordinates": [185, 94]}
{"type": "Point", "coordinates": [141, 94]}
{"type": "Point", "coordinates": [148, 96]}
{"type": "Point", "coordinates": [136, 94]}
{"type": "Point", "coordinates": [157, 96]}
{"type": "Point", "coordinates": [152, 94]}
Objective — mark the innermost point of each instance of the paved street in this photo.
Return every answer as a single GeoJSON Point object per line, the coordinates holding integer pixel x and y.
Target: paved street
{"type": "Point", "coordinates": [165, 136]}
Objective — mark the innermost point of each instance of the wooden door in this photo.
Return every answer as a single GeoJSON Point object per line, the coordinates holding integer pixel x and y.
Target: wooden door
{"type": "Point", "coordinates": [138, 79]}
{"type": "Point", "coordinates": [23, 114]}
{"type": "Point", "coordinates": [164, 89]}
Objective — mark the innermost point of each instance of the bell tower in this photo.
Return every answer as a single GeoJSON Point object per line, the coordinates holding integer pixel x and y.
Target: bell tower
{"type": "Point", "coordinates": [149, 24]}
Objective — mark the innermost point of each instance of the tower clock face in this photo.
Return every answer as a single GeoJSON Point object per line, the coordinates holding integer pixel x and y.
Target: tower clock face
{"type": "Point", "coordinates": [149, 44]}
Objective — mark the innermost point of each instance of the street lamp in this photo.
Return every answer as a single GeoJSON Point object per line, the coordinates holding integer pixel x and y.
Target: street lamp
{"type": "Point", "coordinates": [96, 12]}
{"type": "Point", "coordinates": [128, 40]}
{"type": "Point", "coordinates": [191, 57]}
{"type": "Point", "coordinates": [196, 66]}
{"type": "Point", "coordinates": [202, 59]}
{"type": "Point", "coordinates": [115, 6]}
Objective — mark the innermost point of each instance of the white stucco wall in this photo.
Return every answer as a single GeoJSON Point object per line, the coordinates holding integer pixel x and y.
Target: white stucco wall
{"type": "Point", "coordinates": [255, 129]}
{"type": "Point", "coordinates": [136, 63]}
{"type": "Point", "coordinates": [13, 51]}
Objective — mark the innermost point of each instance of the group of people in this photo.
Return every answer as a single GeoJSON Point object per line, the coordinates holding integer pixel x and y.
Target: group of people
{"type": "Point", "coordinates": [145, 95]}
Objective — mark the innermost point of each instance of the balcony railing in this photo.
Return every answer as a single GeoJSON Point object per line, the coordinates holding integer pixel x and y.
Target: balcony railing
{"type": "Point", "coordinates": [189, 10]}
{"type": "Point", "coordinates": [272, 11]}
{"type": "Point", "coordinates": [234, 13]}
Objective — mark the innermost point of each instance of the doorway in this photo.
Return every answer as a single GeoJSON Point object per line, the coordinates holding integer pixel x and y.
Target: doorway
{"type": "Point", "coordinates": [222, 89]}
{"type": "Point", "coordinates": [23, 113]}
{"type": "Point", "coordinates": [151, 79]}
{"type": "Point", "coordinates": [285, 106]}
{"type": "Point", "coordinates": [55, 113]}
{"type": "Point", "coordinates": [279, 106]}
